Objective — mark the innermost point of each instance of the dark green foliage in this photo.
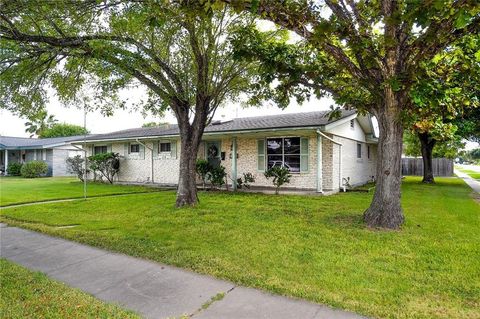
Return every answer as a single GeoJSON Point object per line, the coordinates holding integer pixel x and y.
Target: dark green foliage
{"type": "Point", "coordinates": [281, 175]}
{"type": "Point", "coordinates": [34, 169]}
{"type": "Point", "coordinates": [245, 180]}
{"type": "Point", "coordinates": [39, 122]}
{"type": "Point", "coordinates": [63, 129]}
{"type": "Point", "coordinates": [108, 164]}
{"type": "Point", "coordinates": [76, 165]}
{"type": "Point", "coordinates": [203, 168]}
{"type": "Point", "coordinates": [217, 176]}
{"type": "Point", "coordinates": [448, 149]}
{"type": "Point", "coordinates": [14, 169]}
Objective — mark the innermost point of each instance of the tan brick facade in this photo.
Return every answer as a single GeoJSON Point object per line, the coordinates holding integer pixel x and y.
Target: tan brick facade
{"type": "Point", "coordinates": [166, 167]}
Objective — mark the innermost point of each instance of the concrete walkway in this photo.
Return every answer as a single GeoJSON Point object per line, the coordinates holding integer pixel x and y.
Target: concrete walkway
{"type": "Point", "coordinates": [151, 289]}
{"type": "Point", "coordinates": [474, 184]}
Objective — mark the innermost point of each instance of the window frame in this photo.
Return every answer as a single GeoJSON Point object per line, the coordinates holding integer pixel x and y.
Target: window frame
{"type": "Point", "coordinates": [102, 146]}
{"type": "Point", "coordinates": [130, 148]}
{"type": "Point", "coordinates": [359, 150]}
{"type": "Point", "coordinates": [160, 147]}
{"type": "Point", "coordinates": [283, 154]}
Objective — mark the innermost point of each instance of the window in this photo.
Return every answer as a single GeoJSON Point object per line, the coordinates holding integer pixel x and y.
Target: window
{"type": "Point", "coordinates": [134, 148]}
{"type": "Point", "coordinates": [165, 147]}
{"type": "Point", "coordinates": [284, 152]}
{"type": "Point", "coordinates": [359, 150]}
{"type": "Point", "coordinates": [368, 151]}
{"type": "Point", "coordinates": [100, 149]}
{"type": "Point", "coordinates": [352, 124]}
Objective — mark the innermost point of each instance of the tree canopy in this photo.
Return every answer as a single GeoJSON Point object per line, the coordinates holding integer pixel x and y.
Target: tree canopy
{"type": "Point", "coordinates": [367, 55]}
{"type": "Point", "coordinates": [179, 51]}
{"type": "Point", "coordinates": [63, 129]}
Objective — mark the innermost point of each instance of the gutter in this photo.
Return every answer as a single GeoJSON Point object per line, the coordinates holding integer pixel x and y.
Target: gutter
{"type": "Point", "coordinates": [339, 161]}
{"type": "Point", "coordinates": [308, 128]}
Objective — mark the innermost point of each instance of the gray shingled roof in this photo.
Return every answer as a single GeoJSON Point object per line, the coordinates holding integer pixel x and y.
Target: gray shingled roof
{"type": "Point", "coordinates": [11, 142]}
{"type": "Point", "coordinates": [296, 120]}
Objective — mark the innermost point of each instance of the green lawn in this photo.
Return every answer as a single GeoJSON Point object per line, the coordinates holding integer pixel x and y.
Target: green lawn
{"type": "Point", "coordinates": [304, 246]}
{"type": "Point", "coordinates": [17, 190]}
{"type": "Point", "coordinates": [472, 174]}
{"type": "Point", "coordinates": [27, 294]}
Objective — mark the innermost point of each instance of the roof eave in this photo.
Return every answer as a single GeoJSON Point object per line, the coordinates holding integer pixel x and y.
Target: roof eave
{"type": "Point", "coordinates": [247, 131]}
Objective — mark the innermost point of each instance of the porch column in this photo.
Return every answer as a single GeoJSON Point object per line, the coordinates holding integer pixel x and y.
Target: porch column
{"type": "Point", "coordinates": [234, 163]}
{"type": "Point", "coordinates": [319, 165]}
{"type": "Point", "coordinates": [6, 160]}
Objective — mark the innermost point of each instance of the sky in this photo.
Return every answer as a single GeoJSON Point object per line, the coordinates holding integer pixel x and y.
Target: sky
{"type": "Point", "coordinates": [11, 125]}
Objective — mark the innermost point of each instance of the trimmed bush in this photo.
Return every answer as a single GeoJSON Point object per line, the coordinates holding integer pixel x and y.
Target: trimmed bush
{"type": "Point", "coordinates": [281, 175]}
{"type": "Point", "coordinates": [203, 168]}
{"type": "Point", "coordinates": [108, 164]}
{"type": "Point", "coordinates": [34, 169]}
{"type": "Point", "coordinates": [14, 169]}
{"type": "Point", "coordinates": [217, 176]}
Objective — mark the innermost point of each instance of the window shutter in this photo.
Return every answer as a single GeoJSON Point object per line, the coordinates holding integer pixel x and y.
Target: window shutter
{"type": "Point", "coordinates": [304, 154]}
{"type": "Point", "coordinates": [92, 149]}
{"type": "Point", "coordinates": [109, 148]}
{"type": "Point", "coordinates": [173, 149]}
{"type": "Point", "coordinates": [261, 155]}
{"type": "Point", "coordinates": [126, 149]}
{"type": "Point", "coordinates": [155, 148]}
{"type": "Point", "coordinates": [141, 150]}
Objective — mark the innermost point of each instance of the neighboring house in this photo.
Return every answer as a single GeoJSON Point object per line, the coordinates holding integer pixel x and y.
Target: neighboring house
{"type": "Point", "coordinates": [321, 154]}
{"type": "Point", "coordinates": [54, 151]}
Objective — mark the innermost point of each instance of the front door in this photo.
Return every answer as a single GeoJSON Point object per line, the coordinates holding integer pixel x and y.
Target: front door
{"type": "Point", "coordinates": [212, 149]}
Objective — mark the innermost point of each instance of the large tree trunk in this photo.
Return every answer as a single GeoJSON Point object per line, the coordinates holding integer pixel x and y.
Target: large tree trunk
{"type": "Point", "coordinates": [187, 186]}
{"type": "Point", "coordinates": [427, 143]}
{"type": "Point", "coordinates": [385, 210]}
{"type": "Point", "coordinates": [190, 138]}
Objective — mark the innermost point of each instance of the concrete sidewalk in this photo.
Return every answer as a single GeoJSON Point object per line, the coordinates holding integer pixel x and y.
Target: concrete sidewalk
{"type": "Point", "coordinates": [151, 289]}
{"type": "Point", "coordinates": [475, 185]}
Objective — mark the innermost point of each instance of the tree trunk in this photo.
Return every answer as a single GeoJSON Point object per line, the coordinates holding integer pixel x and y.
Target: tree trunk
{"type": "Point", "coordinates": [427, 144]}
{"type": "Point", "coordinates": [385, 210]}
{"type": "Point", "coordinates": [190, 138]}
{"type": "Point", "coordinates": [187, 186]}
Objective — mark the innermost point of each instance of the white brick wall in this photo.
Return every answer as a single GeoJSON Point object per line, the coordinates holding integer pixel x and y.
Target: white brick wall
{"type": "Point", "coordinates": [166, 168]}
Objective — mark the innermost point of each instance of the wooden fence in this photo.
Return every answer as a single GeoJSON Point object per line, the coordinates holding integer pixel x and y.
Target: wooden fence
{"type": "Point", "coordinates": [414, 166]}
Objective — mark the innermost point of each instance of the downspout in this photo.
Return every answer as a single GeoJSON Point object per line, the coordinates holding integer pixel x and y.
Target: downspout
{"type": "Point", "coordinates": [151, 152]}
{"type": "Point", "coordinates": [339, 161]}
{"type": "Point", "coordinates": [319, 164]}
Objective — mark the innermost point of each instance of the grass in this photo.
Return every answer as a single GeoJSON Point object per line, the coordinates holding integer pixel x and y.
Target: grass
{"type": "Point", "coordinates": [17, 190]}
{"type": "Point", "coordinates": [472, 174]}
{"type": "Point", "coordinates": [27, 294]}
{"type": "Point", "coordinates": [315, 248]}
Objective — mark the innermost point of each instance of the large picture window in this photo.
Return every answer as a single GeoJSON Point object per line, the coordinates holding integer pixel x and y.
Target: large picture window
{"type": "Point", "coordinates": [284, 151]}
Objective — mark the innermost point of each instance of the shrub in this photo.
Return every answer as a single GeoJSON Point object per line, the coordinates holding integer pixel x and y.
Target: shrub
{"type": "Point", "coordinates": [217, 176]}
{"type": "Point", "coordinates": [203, 169]}
{"type": "Point", "coordinates": [281, 175]}
{"type": "Point", "coordinates": [14, 169]}
{"type": "Point", "coordinates": [34, 169]}
{"type": "Point", "coordinates": [108, 164]}
{"type": "Point", "coordinates": [245, 180]}
{"type": "Point", "coordinates": [76, 165]}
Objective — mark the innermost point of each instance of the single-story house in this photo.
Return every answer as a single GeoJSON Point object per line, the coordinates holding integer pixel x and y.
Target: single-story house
{"type": "Point", "coordinates": [322, 154]}
{"type": "Point", "coordinates": [54, 151]}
